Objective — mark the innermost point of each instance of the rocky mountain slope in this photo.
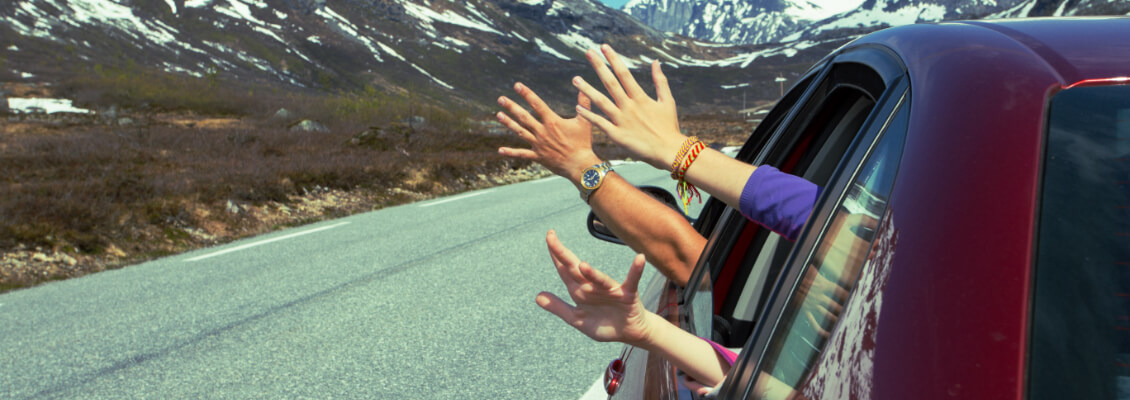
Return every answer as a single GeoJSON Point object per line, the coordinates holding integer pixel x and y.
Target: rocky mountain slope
{"type": "Point", "coordinates": [767, 21]}
{"type": "Point", "coordinates": [463, 53]}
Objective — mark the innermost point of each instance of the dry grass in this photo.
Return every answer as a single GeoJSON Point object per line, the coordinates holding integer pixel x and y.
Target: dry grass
{"type": "Point", "coordinates": [89, 193]}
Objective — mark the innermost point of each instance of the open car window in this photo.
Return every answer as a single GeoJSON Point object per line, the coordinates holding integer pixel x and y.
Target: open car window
{"type": "Point", "coordinates": [744, 259]}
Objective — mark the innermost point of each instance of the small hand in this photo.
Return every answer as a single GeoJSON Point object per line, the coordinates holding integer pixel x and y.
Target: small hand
{"type": "Point", "coordinates": [605, 310]}
{"type": "Point", "coordinates": [564, 146]}
{"type": "Point", "coordinates": [823, 300]}
{"type": "Point", "coordinates": [648, 128]}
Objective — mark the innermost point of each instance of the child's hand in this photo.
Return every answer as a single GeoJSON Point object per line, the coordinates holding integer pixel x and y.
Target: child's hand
{"type": "Point", "coordinates": [605, 310]}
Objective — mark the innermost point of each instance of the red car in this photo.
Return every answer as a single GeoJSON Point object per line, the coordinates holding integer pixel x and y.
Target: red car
{"type": "Point", "coordinates": [971, 238]}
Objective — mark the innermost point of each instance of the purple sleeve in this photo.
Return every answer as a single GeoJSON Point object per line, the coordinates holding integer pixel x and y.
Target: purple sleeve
{"type": "Point", "coordinates": [778, 201]}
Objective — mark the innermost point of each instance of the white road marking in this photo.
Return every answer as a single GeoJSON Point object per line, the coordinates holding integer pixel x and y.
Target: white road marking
{"type": "Point", "coordinates": [549, 179]}
{"type": "Point", "coordinates": [460, 197]}
{"type": "Point", "coordinates": [262, 242]}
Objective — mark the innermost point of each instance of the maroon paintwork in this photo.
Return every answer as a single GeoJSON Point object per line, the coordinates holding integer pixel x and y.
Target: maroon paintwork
{"type": "Point", "coordinates": [954, 290]}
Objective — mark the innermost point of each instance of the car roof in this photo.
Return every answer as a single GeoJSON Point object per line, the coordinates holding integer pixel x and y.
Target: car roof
{"type": "Point", "coordinates": [954, 320]}
{"type": "Point", "coordinates": [1071, 49]}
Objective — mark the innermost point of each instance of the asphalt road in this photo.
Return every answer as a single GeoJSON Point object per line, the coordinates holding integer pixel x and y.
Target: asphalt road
{"type": "Point", "coordinates": [431, 300]}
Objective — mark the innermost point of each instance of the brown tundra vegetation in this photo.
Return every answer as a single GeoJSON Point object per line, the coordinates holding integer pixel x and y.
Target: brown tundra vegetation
{"type": "Point", "coordinates": [165, 164]}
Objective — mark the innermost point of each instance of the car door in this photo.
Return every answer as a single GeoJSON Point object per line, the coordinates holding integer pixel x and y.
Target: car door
{"type": "Point", "coordinates": [851, 97]}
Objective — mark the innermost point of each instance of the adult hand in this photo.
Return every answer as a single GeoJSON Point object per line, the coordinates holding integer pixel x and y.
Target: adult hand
{"type": "Point", "coordinates": [564, 146]}
{"type": "Point", "coordinates": [648, 128]}
{"type": "Point", "coordinates": [605, 310]}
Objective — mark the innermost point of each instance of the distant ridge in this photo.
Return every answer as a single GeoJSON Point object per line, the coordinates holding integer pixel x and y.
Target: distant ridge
{"type": "Point", "coordinates": [770, 21]}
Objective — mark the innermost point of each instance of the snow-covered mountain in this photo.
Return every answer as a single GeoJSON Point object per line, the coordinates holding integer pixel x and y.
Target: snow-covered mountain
{"type": "Point", "coordinates": [769, 21]}
{"type": "Point", "coordinates": [735, 21]}
{"type": "Point", "coordinates": [469, 50]}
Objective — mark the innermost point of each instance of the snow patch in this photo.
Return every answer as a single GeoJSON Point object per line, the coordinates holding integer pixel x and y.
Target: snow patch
{"type": "Point", "coordinates": [178, 69]}
{"type": "Point", "coordinates": [819, 9]}
{"type": "Point", "coordinates": [577, 41]}
{"type": "Point", "coordinates": [429, 17]}
{"type": "Point", "coordinates": [49, 106]}
{"type": "Point", "coordinates": [422, 71]}
{"type": "Point", "coordinates": [343, 24]}
{"type": "Point", "coordinates": [546, 49]}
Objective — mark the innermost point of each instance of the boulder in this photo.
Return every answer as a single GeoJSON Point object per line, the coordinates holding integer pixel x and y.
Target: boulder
{"type": "Point", "coordinates": [307, 125]}
{"type": "Point", "coordinates": [282, 115]}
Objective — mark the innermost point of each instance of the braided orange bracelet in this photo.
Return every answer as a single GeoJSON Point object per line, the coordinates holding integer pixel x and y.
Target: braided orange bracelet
{"type": "Point", "coordinates": [690, 150]}
{"type": "Point", "coordinates": [687, 144]}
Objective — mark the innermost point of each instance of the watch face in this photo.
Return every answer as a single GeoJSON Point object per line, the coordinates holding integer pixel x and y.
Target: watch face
{"type": "Point", "coordinates": [590, 179]}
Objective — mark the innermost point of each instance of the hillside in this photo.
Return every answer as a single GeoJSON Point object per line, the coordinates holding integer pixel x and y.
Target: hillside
{"type": "Point", "coordinates": [194, 122]}
{"type": "Point", "coordinates": [456, 53]}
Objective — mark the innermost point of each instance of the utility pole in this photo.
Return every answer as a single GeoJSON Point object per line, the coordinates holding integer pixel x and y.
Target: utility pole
{"type": "Point", "coordinates": [781, 82]}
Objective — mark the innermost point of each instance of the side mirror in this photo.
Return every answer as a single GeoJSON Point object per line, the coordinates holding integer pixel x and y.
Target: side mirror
{"type": "Point", "coordinates": [599, 230]}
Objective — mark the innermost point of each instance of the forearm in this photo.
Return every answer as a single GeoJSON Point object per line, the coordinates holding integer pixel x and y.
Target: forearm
{"type": "Point", "coordinates": [650, 227]}
{"type": "Point", "coordinates": [720, 175]}
{"type": "Point", "coordinates": [685, 351]}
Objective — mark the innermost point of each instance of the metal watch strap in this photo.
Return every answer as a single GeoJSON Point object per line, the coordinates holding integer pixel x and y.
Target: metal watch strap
{"type": "Point", "coordinates": [601, 170]}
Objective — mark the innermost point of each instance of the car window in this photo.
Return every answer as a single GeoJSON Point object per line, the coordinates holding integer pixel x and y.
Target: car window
{"type": "Point", "coordinates": [1080, 345]}
{"type": "Point", "coordinates": [830, 269]}
{"type": "Point", "coordinates": [745, 259]}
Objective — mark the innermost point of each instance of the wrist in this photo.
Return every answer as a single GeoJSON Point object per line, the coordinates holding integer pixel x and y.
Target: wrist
{"type": "Point", "coordinates": [670, 150]}
{"type": "Point", "coordinates": [575, 172]}
{"type": "Point", "coordinates": [649, 337]}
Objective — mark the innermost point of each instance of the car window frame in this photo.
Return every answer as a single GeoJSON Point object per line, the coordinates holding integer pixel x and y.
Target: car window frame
{"type": "Point", "coordinates": [740, 381]}
{"type": "Point", "coordinates": [767, 143]}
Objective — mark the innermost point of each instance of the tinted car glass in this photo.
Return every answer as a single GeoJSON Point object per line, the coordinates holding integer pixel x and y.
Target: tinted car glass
{"type": "Point", "coordinates": [831, 270]}
{"type": "Point", "coordinates": [1080, 344]}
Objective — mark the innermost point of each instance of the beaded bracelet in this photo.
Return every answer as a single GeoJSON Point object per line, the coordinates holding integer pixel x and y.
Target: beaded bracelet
{"type": "Point", "coordinates": [688, 152]}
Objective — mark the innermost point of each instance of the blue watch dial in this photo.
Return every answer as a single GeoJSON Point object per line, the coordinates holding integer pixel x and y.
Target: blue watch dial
{"type": "Point", "coordinates": [591, 178]}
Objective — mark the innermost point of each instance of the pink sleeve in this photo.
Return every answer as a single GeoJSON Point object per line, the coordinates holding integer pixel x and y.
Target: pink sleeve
{"type": "Point", "coordinates": [723, 352]}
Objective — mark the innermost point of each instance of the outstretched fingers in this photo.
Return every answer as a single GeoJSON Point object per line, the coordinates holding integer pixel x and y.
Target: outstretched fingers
{"type": "Point", "coordinates": [596, 119]}
{"type": "Point", "coordinates": [535, 102]}
{"type": "Point", "coordinates": [635, 272]}
{"type": "Point", "coordinates": [550, 302]}
{"type": "Point", "coordinates": [606, 77]}
{"type": "Point", "coordinates": [631, 87]}
{"type": "Point", "coordinates": [583, 100]}
{"type": "Point", "coordinates": [526, 154]}
{"type": "Point", "coordinates": [513, 125]}
{"type": "Point", "coordinates": [599, 99]}
{"type": "Point", "coordinates": [566, 262]}
{"type": "Point", "coordinates": [662, 88]}
{"type": "Point", "coordinates": [528, 124]}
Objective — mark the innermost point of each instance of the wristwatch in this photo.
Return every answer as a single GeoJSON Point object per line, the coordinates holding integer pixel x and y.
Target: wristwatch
{"type": "Point", "coordinates": [592, 177]}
